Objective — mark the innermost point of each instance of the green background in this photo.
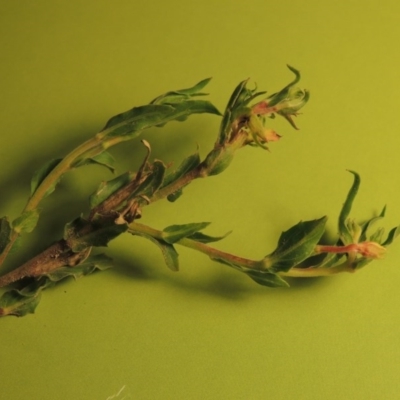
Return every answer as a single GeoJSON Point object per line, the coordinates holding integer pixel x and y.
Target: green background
{"type": "Point", "coordinates": [140, 331]}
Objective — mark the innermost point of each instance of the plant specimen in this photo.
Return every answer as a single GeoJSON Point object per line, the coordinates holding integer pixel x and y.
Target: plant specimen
{"type": "Point", "coordinates": [117, 205]}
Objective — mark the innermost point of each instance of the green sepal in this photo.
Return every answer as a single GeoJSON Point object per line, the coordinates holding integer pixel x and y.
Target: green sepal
{"type": "Point", "coordinates": [5, 232]}
{"type": "Point", "coordinates": [40, 174]}
{"type": "Point", "coordinates": [128, 125]}
{"type": "Point", "coordinates": [344, 232]}
{"type": "Point", "coordinates": [81, 234]}
{"type": "Point", "coordinates": [218, 160]}
{"type": "Point", "coordinates": [106, 189]}
{"type": "Point", "coordinates": [202, 238]}
{"type": "Point", "coordinates": [26, 222]}
{"type": "Point", "coordinates": [295, 245]}
{"type": "Point", "coordinates": [266, 278]}
{"type": "Point", "coordinates": [170, 255]}
{"type": "Point", "coordinates": [174, 233]}
{"type": "Point", "coordinates": [104, 159]}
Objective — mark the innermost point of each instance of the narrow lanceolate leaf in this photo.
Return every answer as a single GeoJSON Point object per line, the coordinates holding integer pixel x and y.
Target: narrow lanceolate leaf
{"type": "Point", "coordinates": [172, 106]}
{"type": "Point", "coordinates": [26, 222]}
{"type": "Point", "coordinates": [174, 233]}
{"type": "Point", "coordinates": [5, 231]}
{"type": "Point", "coordinates": [295, 245]}
{"type": "Point", "coordinates": [98, 262]}
{"type": "Point", "coordinates": [168, 251]}
{"type": "Point", "coordinates": [106, 189]}
{"type": "Point", "coordinates": [391, 236]}
{"type": "Point", "coordinates": [179, 95]}
{"type": "Point", "coordinates": [267, 279]}
{"type": "Point", "coordinates": [202, 238]}
{"type": "Point", "coordinates": [104, 159]}
{"type": "Point", "coordinates": [41, 174]}
{"type": "Point", "coordinates": [344, 233]}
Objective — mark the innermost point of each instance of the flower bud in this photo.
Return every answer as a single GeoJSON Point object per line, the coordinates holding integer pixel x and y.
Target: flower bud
{"type": "Point", "coordinates": [371, 249]}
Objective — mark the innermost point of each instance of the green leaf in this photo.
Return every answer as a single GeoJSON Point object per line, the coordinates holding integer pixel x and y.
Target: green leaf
{"type": "Point", "coordinates": [181, 94]}
{"type": "Point", "coordinates": [175, 196]}
{"type": "Point", "coordinates": [344, 233]}
{"type": "Point", "coordinates": [127, 125]}
{"type": "Point", "coordinates": [106, 189]}
{"type": "Point", "coordinates": [81, 234]}
{"type": "Point", "coordinates": [295, 245]}
{"type": "Point", "coordinates": [26, 222]}
{"type": "Point", "coordinates": [218, 160]}
{"type": "Point", "coordinates": [153, 181]}
{"type": "Point", "coordinates": [5, 232]}
{"type": "Point", "coordinates": [187, 165]}
{"type": "Point", "coordinates": [236, 102]}
{"type": "Point", "coordinates": [24, 301]}
{"type": "Point", "coordinates": [394, 232]}
{"type": "Point", "coordinates": [98, 262]}
{"type": "Point", "coordinates": [104, 159]}
{"type": "Point", "coordinates": [168, 251]}
{"type": "Point", "coordinates": [41, 174]}
{"type": "Point", "coordinates": [367, 225]}
{"type": "Point", "coordinates": [202, 238]}
{"type": "Point", "coordinates": [267, 279]}
{"type": "Point", "coordinates": [174, 233]}
{"type": "Point", "coordinates": [282, 94]}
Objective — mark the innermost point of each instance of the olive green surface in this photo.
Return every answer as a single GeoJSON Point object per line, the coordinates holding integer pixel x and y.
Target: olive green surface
{"type": "Point", "coordinates": [140, 331]}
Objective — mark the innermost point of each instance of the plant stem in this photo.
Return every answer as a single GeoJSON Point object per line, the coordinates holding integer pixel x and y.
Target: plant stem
{"type": "Point", "coordinates": [63, 166]}
{"type": "Point", "coordinates": [136, 228]}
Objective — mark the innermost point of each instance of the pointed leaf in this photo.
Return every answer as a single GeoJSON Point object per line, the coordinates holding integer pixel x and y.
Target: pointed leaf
{"type": "Point", "coordinates": [391, 236]}
{"type": "Point", "coordinates": [42, 173]}
{"type": "Point", "coordinates": [295, 245]}
{"type": "Point", "coordinates": [367, 225]}
{"type": "Point", "coordinates": [168, 251]}
{"type": "Point", "coordinates": [153, 181]}
{"type": "Point", "coordinates": [202, 238]}
{"type": "Point", "coordinates": [267, 279]}
{"type": "Point", "coordinates": [106, 189]}
{"type": "Point", "coordinates": [5, 231]}
{"type": "Point", "coordinates": [188, 164]}
{"type": "Point", "coordinates": [181, 94]}
{"type": "Point", "coordinates": [344, 232]}
{"type": "Point", "coordinates": [174, 233]}
{"type": "Point", "coordinates": [104, 159]}
{"type": "Point", "coordinates": [26, 222]}
{"type": "Point", "coordinates": [128, 124]}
